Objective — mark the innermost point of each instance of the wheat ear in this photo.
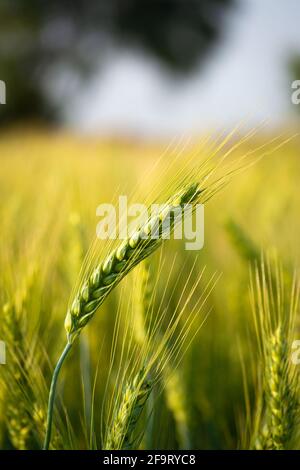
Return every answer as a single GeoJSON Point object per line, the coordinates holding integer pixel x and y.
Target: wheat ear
{"type": "Point", "coordinates": [133, 401]}
{"type": "Point", "coordinates": [280, 398]}
{"type": "Point", "coordinates": [21, 401]}
{"type": "Point", "coordinates": [274, 316]}
{"type": "Point", "coordinates": [141, 244]}
{"type": "Point", "coordinates": [280, 394]}
{"type": "Point", "coordinates": [18, 419]}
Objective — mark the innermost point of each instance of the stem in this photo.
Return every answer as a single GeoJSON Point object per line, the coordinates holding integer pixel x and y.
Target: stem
{"type": "Point", "coordinates": [52, 395]}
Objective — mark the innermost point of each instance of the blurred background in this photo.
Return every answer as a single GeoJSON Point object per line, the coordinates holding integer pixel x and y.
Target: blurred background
{"type": "Point", "coordinates": [149, 67]}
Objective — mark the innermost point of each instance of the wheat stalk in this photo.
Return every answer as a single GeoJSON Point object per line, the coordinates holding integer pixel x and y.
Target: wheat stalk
{"type": "Point", "coordinates": [18, 388]}
{"type": "Point", "coordinates": [133, 401]}
{"type": "Point", "coordinates": [18, 419]}
{"type": "Point", "coordinates": [281, 398]}
{"type": "Point", "coordinates": [141, 244]}
{"type": "Point", "coordinates": [274, 316]}
{"type": "Point", "coordinates": [20, 400]}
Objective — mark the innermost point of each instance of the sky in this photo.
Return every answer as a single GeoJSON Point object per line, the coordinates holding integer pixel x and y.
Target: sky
{"type": "Point", "coordinates": [245, 78]}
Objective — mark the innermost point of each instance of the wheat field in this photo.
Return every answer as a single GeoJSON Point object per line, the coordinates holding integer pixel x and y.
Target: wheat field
{"type": "Point", "coordinates": [166, 348]}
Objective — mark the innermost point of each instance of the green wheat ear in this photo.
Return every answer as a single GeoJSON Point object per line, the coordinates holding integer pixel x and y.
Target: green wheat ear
{"type": "Point", "coordinates": [280, 394]}
{"type": "Point", "coordinates": [280, 397]}
{"type": "Point", "coordinates": [96, 287]}
{"type": "Point", "coordinates": [123, 259]}
{"type": "Point", "coordinates": [274, 314]}
{"type": "Point", "coordinates": [124, 423]}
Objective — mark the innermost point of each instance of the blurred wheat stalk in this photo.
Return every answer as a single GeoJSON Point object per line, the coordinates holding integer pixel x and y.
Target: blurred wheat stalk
{"type": "Point", "coordinates": [275, 305]}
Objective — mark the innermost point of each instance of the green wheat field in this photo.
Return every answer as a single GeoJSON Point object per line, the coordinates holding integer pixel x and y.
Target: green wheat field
{"type": "Point", "coordinates": [164, 348]}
